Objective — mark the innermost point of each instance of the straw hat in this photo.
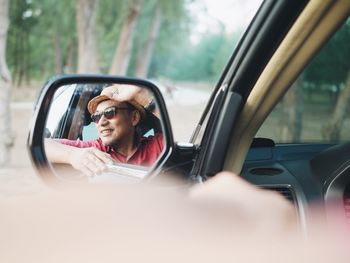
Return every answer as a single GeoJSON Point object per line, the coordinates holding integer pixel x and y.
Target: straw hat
{"type": "Point", "coordinates": [111, 93]}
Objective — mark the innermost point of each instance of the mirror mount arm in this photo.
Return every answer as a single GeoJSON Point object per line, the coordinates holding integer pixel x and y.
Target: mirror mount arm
{"type": "Point", "coordinates": [181, 160]}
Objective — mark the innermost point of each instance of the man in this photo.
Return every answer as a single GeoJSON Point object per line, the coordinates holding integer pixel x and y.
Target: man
{"type": "Point", "coordinates": [117, 113]}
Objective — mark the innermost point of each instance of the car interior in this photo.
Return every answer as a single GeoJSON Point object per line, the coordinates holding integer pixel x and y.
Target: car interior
{"type": "Point", "coordinates": [303, 172]}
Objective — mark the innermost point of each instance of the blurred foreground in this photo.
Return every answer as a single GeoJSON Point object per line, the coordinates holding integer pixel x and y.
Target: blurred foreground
{"type": "Point", "coordinates": [151, 224]}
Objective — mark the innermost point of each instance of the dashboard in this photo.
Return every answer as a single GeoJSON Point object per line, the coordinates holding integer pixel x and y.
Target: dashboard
{"type": "Point", "coordinates": [305, 174]}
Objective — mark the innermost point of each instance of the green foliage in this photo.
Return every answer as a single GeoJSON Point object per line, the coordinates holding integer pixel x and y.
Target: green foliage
{"type": "Point", "coordinates": [37, 23]}
{"type": "Point", "coordinates": [22, 20]}
{"type": "Point", "coordinates": [43, 40]}
{"type": "Point", "coordinates": [203, 61]}
{"type": "Point", "coordinates": [331, 66]}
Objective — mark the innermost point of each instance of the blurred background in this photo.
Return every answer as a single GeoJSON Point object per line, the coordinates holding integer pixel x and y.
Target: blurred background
{"type": "Point", "coordinates": [181, 45]}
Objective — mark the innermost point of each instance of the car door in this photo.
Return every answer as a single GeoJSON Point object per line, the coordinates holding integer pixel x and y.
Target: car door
{"type": "Point", "coordinates": [276, 48]}
{"type": "Point", "coordinates": [267, 30]}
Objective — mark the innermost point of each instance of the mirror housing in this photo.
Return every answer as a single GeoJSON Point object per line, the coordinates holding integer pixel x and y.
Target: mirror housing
{"type": "Point", "coordinates": [39, 131]}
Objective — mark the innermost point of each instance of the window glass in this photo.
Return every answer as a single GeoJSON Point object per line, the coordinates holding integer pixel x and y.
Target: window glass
{"type": "Point", "coordinates": [317, 106]}
{"type": "Point", "coordinates": [59, 104]}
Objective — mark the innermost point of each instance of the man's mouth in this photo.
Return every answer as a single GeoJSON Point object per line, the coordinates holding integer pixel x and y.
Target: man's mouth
{"type": "Point", "coordinates": [106, 132]}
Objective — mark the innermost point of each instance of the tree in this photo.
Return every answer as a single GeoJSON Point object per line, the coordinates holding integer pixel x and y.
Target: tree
{"type": "Point", "coordinates": [144, 59]}
{"type": "Point", "coordinates": [163, 26]}
{"type": "Point", "coordinates": [86, 11]}
{"type": "Point", "coordinates": [41, 39]}
{"type": "Point", "coordinates": [22, 20]}
{"type": "Point", "coordinates": [59, 22]}
{"type": "Point", "coordinates": [340, 113]}
{"type": "Point", "coordinates": [6, 137]}
{"type": "Point", "coordinates": [335, 55]}
{"type": "Point", "coordinates": [292, 113]}
{"type": "Point", "coordinates": [202, 61]}
{"type": "Point", "coordinates": [123, 50]}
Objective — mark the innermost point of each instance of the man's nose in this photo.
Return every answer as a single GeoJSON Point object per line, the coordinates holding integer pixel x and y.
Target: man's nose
{"type": "Point", "coordinates": [102, 121]}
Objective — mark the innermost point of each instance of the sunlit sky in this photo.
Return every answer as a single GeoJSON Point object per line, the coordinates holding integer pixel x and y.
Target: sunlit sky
{"type": "Point", "coordinates": [215, 15]}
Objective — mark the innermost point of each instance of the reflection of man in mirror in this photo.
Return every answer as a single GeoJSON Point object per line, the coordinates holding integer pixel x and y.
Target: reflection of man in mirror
{"type": "Point", "coordinates": [117, 113]}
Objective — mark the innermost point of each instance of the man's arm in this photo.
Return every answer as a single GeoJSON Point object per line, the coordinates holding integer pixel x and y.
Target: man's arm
{"type": "Point", "coordinates": [132, 93]}
{"type": "Point", "coordinates": [90, 160]}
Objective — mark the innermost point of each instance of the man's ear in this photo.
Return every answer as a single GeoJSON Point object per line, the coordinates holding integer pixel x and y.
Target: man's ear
{"type": "Point", "coordinates": [136, 117]}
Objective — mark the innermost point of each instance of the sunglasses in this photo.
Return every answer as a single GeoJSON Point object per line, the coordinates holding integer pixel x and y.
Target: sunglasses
{"type": "Point", "coordinates": [108, 113]}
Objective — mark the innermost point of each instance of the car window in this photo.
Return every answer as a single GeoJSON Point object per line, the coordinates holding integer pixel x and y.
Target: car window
{"type": "Point", "coordinates": [317, 106]}
{"type": "Point", "coordinates": [200, 58]}
{"type": "Point", "coordinates": [59, 105]}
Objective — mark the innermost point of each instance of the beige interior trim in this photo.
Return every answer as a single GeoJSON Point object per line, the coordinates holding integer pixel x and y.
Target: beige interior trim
{"type": "Point", "coordinates": [315, 25]}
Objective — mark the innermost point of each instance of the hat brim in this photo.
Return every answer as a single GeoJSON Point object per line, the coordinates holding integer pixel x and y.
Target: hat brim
{"type": "Point", "coordinates": [92, 105]}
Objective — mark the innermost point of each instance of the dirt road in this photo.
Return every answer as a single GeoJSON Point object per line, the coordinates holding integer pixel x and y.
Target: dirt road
{"type": "Point", "coordinates": [19, 177]}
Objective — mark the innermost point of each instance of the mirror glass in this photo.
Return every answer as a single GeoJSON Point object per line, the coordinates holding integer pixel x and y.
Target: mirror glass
{"type": "Point", "coordinates": [104, 132]}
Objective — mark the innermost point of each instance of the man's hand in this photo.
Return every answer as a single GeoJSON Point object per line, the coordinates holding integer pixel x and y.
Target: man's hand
{"type": "Point", "coordinates": [90, 161]}
{"type": "Point", "coordinates": [120, 92]}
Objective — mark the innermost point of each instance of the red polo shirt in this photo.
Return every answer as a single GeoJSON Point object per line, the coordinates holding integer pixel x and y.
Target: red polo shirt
{"type": "Point", "coordinates": [146, 153]}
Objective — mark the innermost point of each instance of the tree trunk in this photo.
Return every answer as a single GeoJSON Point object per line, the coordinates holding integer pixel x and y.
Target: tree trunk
{"type": "Point", "coordinates": [86, 27]}
{"type": "Point", "coordinates": [332, 131]}
{"type": "Point", "coordinates": [6, 136]}
{"type": "Point", "coordinates": [292, 113]}
{"type": "Point", "coordinates": [122, 54]}
{"type": "Point", "coordinates": [68, 63]}
{"type": "Point", "coordinates": [27, 58]}
{"type": "Point", "coordinates": [145, 56]}
{"type": "Point", "coordinates": [58, 52]}
{"type": "Point", "coordinates": [19, 77]}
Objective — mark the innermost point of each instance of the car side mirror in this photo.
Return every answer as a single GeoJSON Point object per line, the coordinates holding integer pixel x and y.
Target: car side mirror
{"type": "Point", "coordinates": [100, 128]}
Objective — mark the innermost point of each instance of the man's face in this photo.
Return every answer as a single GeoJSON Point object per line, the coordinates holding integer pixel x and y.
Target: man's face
{"type": "Point", "coordinates": [118, 129]}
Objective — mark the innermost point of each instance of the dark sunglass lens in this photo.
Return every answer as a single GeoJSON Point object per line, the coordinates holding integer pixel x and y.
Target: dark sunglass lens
{"type": "Point", "coordinates": [110, 113]}
{"type": "Point", "coordinates": [96, 117]}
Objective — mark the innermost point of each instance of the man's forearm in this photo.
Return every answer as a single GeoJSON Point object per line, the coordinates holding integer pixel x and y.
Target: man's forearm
{"type": "Point", "coordinates": [57, 152]}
